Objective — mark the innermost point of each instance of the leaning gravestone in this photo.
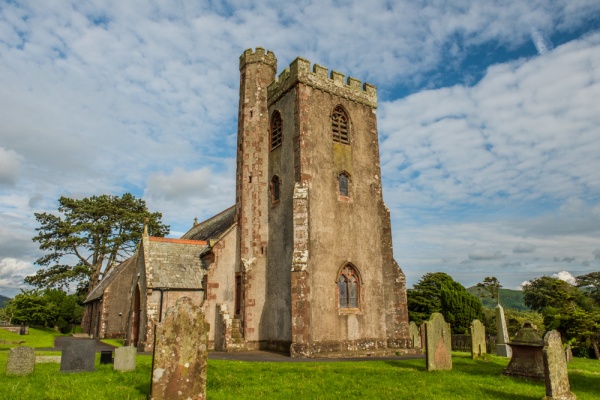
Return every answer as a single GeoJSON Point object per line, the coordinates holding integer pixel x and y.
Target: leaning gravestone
{"type": "Point", "coordinates": [439, 344]}
{"type": "Point", "coordinates": [555, 369]}
{"type": "Point", "coordinates": [21, 361]}
{"type": "Point", "coordinates": [502, 347]}
{"type": "Point", "coordinates": [415, 335]}
{"type": "Point", "coordinates": [125, 358]}
{"type": "Point", "coordinates": [180, 354]}
{"type": "Point", "coordinates": [78, 355]}
{"type": "Point", "coordinates": [478, 348]}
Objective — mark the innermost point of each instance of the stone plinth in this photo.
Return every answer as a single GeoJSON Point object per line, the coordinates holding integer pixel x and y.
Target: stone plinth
{"type": "Point", "coordinates": [78, 355]}
{"type": "Point", "coordinates": [555, 369]}
{"type": "Point", "coordinates": [478, 347]}
{"type": "Point", "coordinates": [180, 354]}
{"type": "Point", "coordinates": [438, 339]}
{"type": "Point", "coordinates": [527, 357]}
{"type": "Point", "coordinates": [21, 361]}
{"type": "Point", "coordinates": [125, 358]}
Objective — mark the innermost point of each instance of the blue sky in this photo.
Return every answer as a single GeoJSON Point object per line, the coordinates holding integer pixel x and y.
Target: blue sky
{"type": "Point", "coordinates": [488, 118]}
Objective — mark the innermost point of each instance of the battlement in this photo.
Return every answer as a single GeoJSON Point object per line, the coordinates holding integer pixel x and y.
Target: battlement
{"type": "Point", "coordinates": [299, 71]}
{"type": "Point", "coordinates": [258, 56]}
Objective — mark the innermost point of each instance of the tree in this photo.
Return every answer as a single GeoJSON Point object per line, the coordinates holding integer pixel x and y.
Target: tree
{"type": "Point", "coordinates": [89, 237]}
{"type": "Point", "coordinates": [490, 287]}
{"type": "Point", "coordinates": [51, 307]}
{"type": "Point", "coordinates": [438, 292]}
{"type": "Point", "coordinates": [590, 283]}
{"type": "Point", "coordinates": [567, 309]}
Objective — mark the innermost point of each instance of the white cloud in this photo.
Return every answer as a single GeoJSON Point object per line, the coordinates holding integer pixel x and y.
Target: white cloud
{"type": "Point", "coordinates": [565, 276]}
{"type": "Point", "coordinates": [10, 164]}
{"type": "Point", "coordinates": [479, 255]}
{"type": "Point", "coordinates": [524, 248]}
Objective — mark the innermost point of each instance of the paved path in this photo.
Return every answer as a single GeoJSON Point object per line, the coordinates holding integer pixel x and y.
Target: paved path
{"type": "Point", "coordinates": [251, 356]}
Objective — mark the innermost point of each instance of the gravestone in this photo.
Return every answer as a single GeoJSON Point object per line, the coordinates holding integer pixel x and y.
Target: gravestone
{"type": "Point", "coordinates": [438, 342]}
{"type": "Point", "coordinates": [125, 358]}
{"type": "Point", "coordinates": [502, 348]}
{"type": "Point", "coordinates": [21, 361]}
{"type": "Point", "coordinates": [415, 335]}
{"type": "Point", "coordinates": [527, 359]}
{"type": "Point", "coordinates": [555, 369]}
{"type": "Point", "coordinates": [78, 355]}
{"type": "Point", "coordinates": [569, 353]}
{"type": "Point", "coordinates": [180, 353]}
{"type": "Point", "coordinates": [478, 347]}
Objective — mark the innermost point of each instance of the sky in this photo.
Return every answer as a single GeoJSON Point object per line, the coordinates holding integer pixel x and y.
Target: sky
{"type": "Point", "coordinates": [488, 118]}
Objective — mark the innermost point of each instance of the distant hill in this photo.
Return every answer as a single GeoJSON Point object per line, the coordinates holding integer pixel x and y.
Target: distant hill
{"type": "Point", "coordinates": [509, 298]}
{"type": "Point", "coordinates": [3, 301]}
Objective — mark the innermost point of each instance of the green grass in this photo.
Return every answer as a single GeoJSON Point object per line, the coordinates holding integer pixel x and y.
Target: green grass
{"type": "Point", "coordinates": [37, 337]}
{"type": "Point", "coordinates": [113, 342]}
{"type": "Point", "coordinates": [395, 379]}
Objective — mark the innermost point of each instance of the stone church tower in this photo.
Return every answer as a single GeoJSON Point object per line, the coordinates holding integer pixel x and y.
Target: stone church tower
{"type": "Point", "coordinates": [315, 272]}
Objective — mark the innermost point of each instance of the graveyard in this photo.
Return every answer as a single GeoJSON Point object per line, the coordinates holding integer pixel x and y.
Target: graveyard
{"type": "Point", "coordinates": [479, 378]}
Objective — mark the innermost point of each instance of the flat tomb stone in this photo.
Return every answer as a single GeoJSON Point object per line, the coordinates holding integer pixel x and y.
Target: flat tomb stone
{"type": "Point", "coordinates": [21, 361]}
{"type": "Point", "coordinates": [78, 355]}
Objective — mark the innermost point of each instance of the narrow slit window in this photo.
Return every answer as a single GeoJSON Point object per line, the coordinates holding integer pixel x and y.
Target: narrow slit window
{"type": "Point", "coordinates": [340, 126]}
{"type": "Point", "coordinates": [276, 130]}
{"type": "Point", "coordinates": [343, 183]}
{"type": "Point", "coordinates": [275, 189]}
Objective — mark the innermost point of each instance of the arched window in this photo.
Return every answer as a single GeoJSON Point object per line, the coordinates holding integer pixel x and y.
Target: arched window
{"type": "Point", "coordinates": [344, 184]}
{"type": "Point", "coordinates": [339, 126]}
{"type": "Point", "coordinates": [275, 189]}
{"type": "Point", "coordinates": [276, 128]}
{"type": "Point", "coordinates": [349, 288]}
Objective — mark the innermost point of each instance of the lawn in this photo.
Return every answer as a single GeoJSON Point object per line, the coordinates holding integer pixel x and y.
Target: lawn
{"type": "Point", "coordinates": [394, 379]}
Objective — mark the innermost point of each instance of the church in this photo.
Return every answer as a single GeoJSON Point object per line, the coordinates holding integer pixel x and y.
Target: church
{"type": "Point", "coordinates": [303, 262]}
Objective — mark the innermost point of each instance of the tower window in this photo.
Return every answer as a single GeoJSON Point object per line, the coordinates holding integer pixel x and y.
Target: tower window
{"type": "Point", "coordinates": [348, 288]}
{"type": "Point", "coordinates": [343, 184]}
{"type": "Point", "coordinates": [276, 130]}
{"type": "Point", "coordinates": [340, 126]}
{"type": "Point", "coordinates": [275, 187]}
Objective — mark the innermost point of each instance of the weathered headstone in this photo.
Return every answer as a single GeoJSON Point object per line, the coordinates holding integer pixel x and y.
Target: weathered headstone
{"type": "Point", "coordinates": [527, 359]}
{"type": "Point", "coordinates": [415, 335]}
{"type": "Point", "coordinates": [21, 361]}
{"type": "Point", "coordinates": [78, 355]}
{"type": "Point", "coordinates": [555, 369]}
{"type": "Point", "coordinates": [125, 358]}
{"type": "Point", "coordinates": [569, 353]}
{"type": "Point", "coordinates": [180, 353]}
{"type": "Point", "coordinates": [502, 348]}
{"type": "Point", "coordinates": [439, 343]}
{"type": "Point", "coordinates": [478, 348]}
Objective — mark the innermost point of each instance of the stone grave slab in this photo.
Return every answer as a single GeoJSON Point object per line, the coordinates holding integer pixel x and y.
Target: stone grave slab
{"type": "Point", "coordinates": [180, 354]}
{"type": "Point", "coordinates": [78, 355]}
{"type": "Point", "coordinates": [438, 341]}
{"type": "Point", "coordinates": [555, 369]}
{"type": "Point", "coordinates": [21, 361]}
{"type": "Point", "coordinates": [415, 335]}
{"type": "Point", "coordinates": [478, 346]}
{"type": "Point", "coordinates": [125, 358]}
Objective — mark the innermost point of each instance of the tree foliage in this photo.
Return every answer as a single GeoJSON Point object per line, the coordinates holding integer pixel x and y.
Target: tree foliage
{"type": "Point", "coordinates": [590, 284]}
{"type": "Point", "coordinates": [574, 313]}
{"type": "Point", "coordinates": [438, 292]}
{"type": "Point", "coordinates": [51, 307]}
{"type": "Point", "coordinates": [490, 287]}
{"type": "Point", "coordinates": [88, 237]}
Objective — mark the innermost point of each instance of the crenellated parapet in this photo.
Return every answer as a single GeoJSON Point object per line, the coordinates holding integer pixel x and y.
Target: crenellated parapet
{"type": "Point", "coordinates": [299, 71]}
{"type": "Point", "coordinates": [258, 56]}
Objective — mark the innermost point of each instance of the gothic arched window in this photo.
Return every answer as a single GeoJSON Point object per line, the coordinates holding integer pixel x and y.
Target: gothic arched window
{"type": "Point", "coordinates": [344, 184]}
{"type": "Point", "coordinates": [340, 127]}
{"type": "Point", "coordinates": [276, 130]}
{"type": "Point", "coordinates": [275, 186]}
{"type": "Point", "coordinates": [348, 288]}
